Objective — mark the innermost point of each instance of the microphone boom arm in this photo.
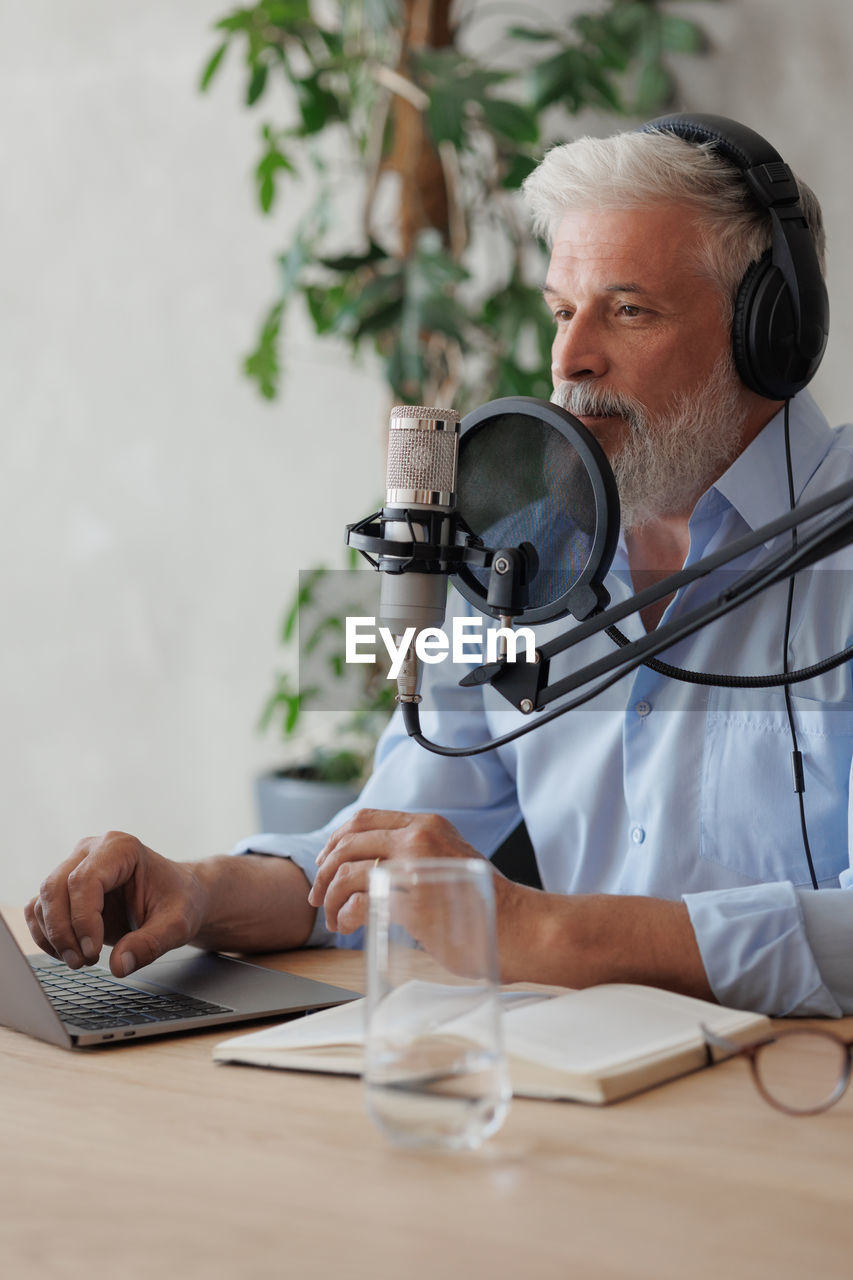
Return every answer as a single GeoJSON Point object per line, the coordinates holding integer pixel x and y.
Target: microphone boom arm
{"type": "Point", "coordinates": [525, 684]}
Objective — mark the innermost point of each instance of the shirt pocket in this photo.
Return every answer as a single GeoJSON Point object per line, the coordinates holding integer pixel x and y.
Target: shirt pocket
{"type": "Point", "coordinates": [750, 815]}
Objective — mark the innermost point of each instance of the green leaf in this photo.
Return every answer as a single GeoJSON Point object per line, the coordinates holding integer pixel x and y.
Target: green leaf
{"type": "Point", "coordinates": [324, 305]}
{"type": "Point", "coordinates": [630, 23]}
{"type": "Point", "coordinates": [272, 162]}
{"type": "Point", "coordinates": [445, 115]}
{"type": "Point", "coordinates": [452, 82]}
{"type": "Point", "coordinates": [261, 365]}
{"type": "Point", "coordinates": [448, 66]}
{"type": "Point", "coordinates": [443, 315]}
{"type": "Point", "coordinates": [517, 170]}
{"type": "Point", "coordinates": [303, 598]}
{"type": "Point", "coordinates": [513, 380]}
{"type": "Point", "coordinates": [607, 38]}
{"type": "Point", "coordinates": [317, 106]}
{"type": "Point", "coordinates": [270, 707]}
{"type": "Point", "coordinates": [379, 291]}
{"type": "Point", "coordinates": [531, 33]}
{"type": "Point", "coordinates": [294, 707]}
{"type": "Point", "coordinates": [287, 13]}
{"type": "Point", "coordinates": [257, 83]}
{"type": "Point", "coordinates": [404, 367]}
{"type": "Point", "coordinates": [333, 41]}
{"type": "Point", "coordinates": [352, 262]}
{"type": "Point", "coordinates": [337, 766]}
{"type": "Point", "coordinates": [559, 79]}
{"type": "Point", "coordinates": [433, 269]}
{"type": "Point", "coordinates": [382, 318]}
{"type": "Point", "coordinates": [511, 120]}
{"type": "Point", "coordinates": [601, 88]}
{"type": "Point", "coordinates": [654, 89]}
{"type": "Point", "coordinates": [240, 20]}
{"type": "Point", "coordinates": [212, 67]}
{"type": "Point", "coordinates": [679, 35]}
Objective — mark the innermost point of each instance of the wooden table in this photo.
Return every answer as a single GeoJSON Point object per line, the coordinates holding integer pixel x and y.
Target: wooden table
{"type": "Point", "coordinates": [149, 1160]}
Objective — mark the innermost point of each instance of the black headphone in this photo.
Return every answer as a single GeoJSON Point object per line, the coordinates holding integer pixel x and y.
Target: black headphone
{"type": "Point", "coordinates": [781, 314]}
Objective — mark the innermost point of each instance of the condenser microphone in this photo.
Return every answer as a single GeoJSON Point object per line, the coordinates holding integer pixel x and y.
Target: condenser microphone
{"type": "Point", "coordinates": [420, 501]}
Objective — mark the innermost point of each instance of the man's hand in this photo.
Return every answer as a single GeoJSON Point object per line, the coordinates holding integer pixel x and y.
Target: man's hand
{"type": "Point", "coordinates": [113, 889]}
{"type": "Point", "coordinates": [344, 868]}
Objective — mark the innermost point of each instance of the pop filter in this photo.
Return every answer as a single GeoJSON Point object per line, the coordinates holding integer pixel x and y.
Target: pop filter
{"type": "Point", "coordinates": [529, 471]}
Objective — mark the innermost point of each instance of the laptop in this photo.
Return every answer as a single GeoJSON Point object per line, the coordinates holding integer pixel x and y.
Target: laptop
{"type": "Point", "coordinates": [185, 990]}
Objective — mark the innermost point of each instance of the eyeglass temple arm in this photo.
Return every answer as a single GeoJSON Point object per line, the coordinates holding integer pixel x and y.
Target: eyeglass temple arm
{"type": "Point", "coordinates": [715, 1041]}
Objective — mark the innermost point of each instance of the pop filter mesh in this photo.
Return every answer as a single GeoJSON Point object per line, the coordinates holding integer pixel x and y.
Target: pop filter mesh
{"type": "Point", "coordinates": [521, 480]}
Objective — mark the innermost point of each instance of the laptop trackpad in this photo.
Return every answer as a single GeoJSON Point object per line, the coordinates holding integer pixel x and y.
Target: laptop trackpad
{"type": "Point", "coordinates": [244, 987]}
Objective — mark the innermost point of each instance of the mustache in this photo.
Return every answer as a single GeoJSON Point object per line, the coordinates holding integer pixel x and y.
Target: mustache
{"type": "Point", "coordinates": [585, 400]}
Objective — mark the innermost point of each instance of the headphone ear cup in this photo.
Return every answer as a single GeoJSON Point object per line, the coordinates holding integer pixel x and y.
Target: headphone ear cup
{"type": "Point", "coordinates": [763, 334]}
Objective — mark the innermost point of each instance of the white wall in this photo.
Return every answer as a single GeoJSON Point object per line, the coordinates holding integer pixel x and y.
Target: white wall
{"type": "Point", "coordinates": [153, 511]}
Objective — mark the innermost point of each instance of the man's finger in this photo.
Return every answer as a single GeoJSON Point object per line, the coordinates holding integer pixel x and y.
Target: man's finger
{"type": "Point", "coordinates": [110, 865]}
{"type": "Point", "coordinates": [364, 846]}
{"type": "Point", "coordinates": [345, 901]}
{"type": "Point", "coordinates": [165, 929]}
{"type": "Point", "coordinates": [54, 917]}
{"type": "Point", "coordinates": [32, 914]}
{"type": "Point", "coordinates": [364, 820]}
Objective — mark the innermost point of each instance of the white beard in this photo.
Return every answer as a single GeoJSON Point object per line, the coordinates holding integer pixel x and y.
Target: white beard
{"type": "Point", "coordinates": [665, 463]}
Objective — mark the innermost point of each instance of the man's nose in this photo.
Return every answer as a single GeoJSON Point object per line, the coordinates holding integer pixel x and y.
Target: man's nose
{"type": "Point", "coordinates": [577, 353]}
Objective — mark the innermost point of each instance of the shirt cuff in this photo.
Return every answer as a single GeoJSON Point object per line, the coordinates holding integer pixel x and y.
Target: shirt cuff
{"type": "Point", "coordinates": [756, 952]}
{"type": "Point", "coordinates": [828, 917]}
{"type": "Point", "coordinates": [303, 850]}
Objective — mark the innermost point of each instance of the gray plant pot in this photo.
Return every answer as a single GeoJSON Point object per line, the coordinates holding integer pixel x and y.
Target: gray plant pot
{"type": "Point", "coordinates": [296, 804]}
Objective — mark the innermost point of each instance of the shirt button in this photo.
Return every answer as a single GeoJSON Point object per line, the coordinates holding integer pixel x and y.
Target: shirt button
{"type": "Point", "coordinates": [643, 708]}
{"type": "Point", "coordinates": [638, 835]}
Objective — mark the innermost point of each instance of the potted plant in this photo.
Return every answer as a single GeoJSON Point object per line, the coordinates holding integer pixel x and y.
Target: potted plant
{"type": "Point", "coordinates": [415, 128]}
{"type": "Point", "coordinates": [329, 716]}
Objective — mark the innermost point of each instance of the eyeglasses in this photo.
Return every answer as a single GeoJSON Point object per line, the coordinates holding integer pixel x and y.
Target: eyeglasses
{"type": "Point", "coordinates": [800, 1070]}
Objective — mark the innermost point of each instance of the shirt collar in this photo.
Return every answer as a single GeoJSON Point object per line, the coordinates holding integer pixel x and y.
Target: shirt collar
{"type": "Point", "coordinates": [756, 484]}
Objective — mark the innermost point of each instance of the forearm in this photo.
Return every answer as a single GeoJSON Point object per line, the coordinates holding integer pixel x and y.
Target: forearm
{"type": "Point", "coordinates": [580, 940]}
{"type": "Point", "coordinates": [252, 903]}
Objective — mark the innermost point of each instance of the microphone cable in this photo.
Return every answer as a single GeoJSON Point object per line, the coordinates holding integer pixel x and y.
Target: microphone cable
{"type": "Point", "coordinates": [796, 754]}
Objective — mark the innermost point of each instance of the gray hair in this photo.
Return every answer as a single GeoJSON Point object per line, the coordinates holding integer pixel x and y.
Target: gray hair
{"type": "Point", "coordinates": [634, 170]}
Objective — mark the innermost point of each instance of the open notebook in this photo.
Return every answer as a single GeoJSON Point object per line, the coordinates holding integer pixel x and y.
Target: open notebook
{"type": "Point", "coordinates": [594, 1045]}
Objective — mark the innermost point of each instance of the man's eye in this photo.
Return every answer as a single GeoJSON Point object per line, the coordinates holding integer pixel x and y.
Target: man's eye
{"type": "Point", "coordinates": [627, 309]}
{"type": "Point", "coordinates": [562, 315]}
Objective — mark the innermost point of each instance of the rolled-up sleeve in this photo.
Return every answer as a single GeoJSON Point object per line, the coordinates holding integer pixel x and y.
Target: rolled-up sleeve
{"type": "Point", "coordinates": [757, 952]}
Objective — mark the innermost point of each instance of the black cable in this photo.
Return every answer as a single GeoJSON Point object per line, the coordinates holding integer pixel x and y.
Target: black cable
{"type": "Point", "coordinates": [796, 754]}
{"type": "Point", "coordinates": [783, 678]}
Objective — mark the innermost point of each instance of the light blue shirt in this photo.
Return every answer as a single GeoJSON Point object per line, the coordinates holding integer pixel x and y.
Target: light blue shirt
{"type": "Point", "coordinates": [676, 790]}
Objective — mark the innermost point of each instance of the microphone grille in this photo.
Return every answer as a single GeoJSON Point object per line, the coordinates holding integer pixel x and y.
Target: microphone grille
{"type": "Point", "coordinates": [423, 413]}
{"type": "Point", "coordinates": [422, 451]}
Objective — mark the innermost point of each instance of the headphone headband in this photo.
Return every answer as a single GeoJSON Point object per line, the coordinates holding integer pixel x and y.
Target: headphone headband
{"type": "Point", "coordinates": [781, 316]}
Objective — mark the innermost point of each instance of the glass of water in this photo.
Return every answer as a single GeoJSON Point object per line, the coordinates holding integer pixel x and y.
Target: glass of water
{"type": "Point", "coordinates": [435, 1070]}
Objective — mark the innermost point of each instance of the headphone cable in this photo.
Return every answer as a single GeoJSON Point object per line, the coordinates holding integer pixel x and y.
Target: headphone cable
{"type": "Point", "coordinates": [796, 754]}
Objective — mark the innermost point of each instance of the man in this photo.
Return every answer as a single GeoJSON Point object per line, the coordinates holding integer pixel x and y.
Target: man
{"type": "Point", "coordinates": [662, 815]}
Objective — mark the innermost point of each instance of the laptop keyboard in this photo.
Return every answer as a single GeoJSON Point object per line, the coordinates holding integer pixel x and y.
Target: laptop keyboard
{"type": "Point", "coordinates": [94, 1000]}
